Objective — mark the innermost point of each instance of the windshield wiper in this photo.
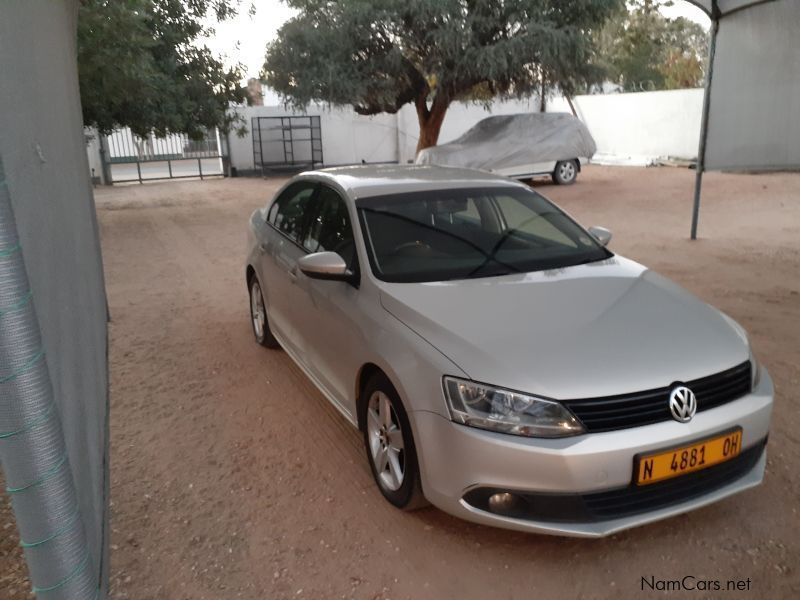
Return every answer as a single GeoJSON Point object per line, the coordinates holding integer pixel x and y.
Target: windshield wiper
{"type": "Point", "coordinates": [591, 259]}
{"type": "Point", "coordinates": [474, 274]}
{"type": "Point", "coordinates": [490, 256]}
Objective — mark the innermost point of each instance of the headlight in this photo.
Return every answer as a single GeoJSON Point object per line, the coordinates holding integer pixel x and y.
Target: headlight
{"type": "Point", "coordinates": [505, 411]}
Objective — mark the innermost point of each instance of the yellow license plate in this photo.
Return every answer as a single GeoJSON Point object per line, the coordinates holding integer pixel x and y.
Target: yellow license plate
{"type": "Point", "coordinates": [659, 466]}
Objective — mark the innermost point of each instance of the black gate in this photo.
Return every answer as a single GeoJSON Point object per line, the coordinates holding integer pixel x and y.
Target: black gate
{"type": "Point", "coordinates": [286, 143]}
{"type": "Point", "coordinates": [128, 157]}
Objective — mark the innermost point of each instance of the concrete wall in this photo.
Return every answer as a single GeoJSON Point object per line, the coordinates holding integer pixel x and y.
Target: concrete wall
{"type": "Point", "coordinates": [93, 153]}
{"type": "Point", "coordinates": [347, 137]}
{"type": "Point", "coordinates": [633, 128]}
{"type": "Point", "coordinates": [628, 128]}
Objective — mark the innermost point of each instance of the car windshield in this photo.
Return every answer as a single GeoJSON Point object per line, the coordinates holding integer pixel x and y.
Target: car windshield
{"type": "Point", "coordinates": [440, 235]}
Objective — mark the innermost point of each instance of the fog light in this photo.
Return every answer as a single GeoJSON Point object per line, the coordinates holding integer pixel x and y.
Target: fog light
{"type": "Point", "coordinates": [503, 503]}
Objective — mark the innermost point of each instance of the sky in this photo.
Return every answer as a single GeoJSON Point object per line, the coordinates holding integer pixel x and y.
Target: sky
{"type": "Point", "coordinates": [244, 38]}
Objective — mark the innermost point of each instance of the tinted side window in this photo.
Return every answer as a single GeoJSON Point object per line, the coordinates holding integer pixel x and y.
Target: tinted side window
{"type": "Point", "coordinates": [289, 211]}
{"type": "Point", "coordinates": [330, 229]}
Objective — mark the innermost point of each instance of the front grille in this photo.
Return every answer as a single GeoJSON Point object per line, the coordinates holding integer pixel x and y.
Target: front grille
{"type": "Point", "coordinates": [627, 501]}
{"type": "Point", "coordinates": [644, 408]}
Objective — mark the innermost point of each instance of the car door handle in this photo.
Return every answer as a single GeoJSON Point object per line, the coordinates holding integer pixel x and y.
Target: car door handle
{"type": "Point", "coordinates": [264, 247]}
{"type": "Point", "coordinates": [293, 274]}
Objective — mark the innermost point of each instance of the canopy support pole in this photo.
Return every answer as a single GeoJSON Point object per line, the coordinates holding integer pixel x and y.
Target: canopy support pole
{"type": "Point", "coordinates": [701, 153]}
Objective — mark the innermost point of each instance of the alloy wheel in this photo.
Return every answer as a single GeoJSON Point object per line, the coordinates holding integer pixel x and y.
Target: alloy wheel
{"type": "Point", "coordinates": [567, 171]}
{"type": "Point", "coordinates": [257, 311]}
{"type": "Point", "coordinates": [386, 446]}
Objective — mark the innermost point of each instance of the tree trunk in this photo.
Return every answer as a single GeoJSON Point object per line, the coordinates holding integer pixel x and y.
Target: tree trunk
{"type": "Point", "coordinates": [571, 106]}
{"type": "Point", "coordinates": [430, 120]}
{"type": "Point", "coordinates": [543, 96]}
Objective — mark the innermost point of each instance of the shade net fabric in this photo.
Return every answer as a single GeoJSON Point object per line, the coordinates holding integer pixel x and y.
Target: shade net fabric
{"type": "Point", "coordinates": [53, 344]}
{"type": "Point", "coordinates": [505, 142]}
{"type": "Point", "coordinates": [754, 115]}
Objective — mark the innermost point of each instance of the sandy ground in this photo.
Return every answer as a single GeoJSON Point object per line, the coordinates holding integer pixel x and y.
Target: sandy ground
{"type": "Point", "coordinates": [233, 478]}
{"type": "Point", "coordinates": [13, 572]}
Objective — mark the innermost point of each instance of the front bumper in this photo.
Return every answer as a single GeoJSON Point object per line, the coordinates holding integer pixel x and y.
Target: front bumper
{"type": "Point", "coordinates": [456, 460]}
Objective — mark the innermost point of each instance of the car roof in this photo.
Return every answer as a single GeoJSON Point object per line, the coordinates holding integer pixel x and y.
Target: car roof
{"type": "Point", "coordinates": [364, 181]}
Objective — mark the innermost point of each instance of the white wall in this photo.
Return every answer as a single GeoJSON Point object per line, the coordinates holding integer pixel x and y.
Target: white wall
{"type": "Point", "coordinates": [93, 153]}
{"type": "Point", "coordinates": [629, 128]}
{"type": "Point", "coordinates": [633, 128]}
{"type": "Point", "coordinates": [347, 137]}
{"type": "Point", "coordinates": [639, 127]}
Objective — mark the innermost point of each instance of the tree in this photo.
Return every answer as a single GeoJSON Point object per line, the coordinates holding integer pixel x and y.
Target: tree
{"type": "Point", "coordinates": [378, 55]}
{"type": "Point", "coordinates": [141, 66]}
{"type": "Point", "coordinates": [642, 49]}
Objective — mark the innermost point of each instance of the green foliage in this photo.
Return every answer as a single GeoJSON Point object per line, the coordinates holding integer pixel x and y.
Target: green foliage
{"type": "Point", "coordinates": [378, 55]}
{"type": "Point", "coordinates": [140, 66]}
{"type": "Point", "coordinates": [641, 49]}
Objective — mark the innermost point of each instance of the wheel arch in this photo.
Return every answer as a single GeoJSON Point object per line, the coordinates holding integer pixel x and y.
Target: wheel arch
{"type": "Point", "coordinates": [249, 274]}
{"type": "Point", "coordinates": [365, 373]}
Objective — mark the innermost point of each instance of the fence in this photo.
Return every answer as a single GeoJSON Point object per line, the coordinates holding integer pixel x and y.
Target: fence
{"type": "Point", "coordinates": [128, 157]}
{"type": "Point", "coordinates": [286, 142]}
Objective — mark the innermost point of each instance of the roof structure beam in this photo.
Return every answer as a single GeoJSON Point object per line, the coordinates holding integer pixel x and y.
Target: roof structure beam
{"type": "Point", "coordinates": [717, 9]}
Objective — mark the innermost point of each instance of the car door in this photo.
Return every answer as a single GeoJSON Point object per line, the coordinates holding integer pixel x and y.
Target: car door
{"type": "Point", "coordinates": [329, 330]}
{"type": "Point", "coordinates": [280, 251]}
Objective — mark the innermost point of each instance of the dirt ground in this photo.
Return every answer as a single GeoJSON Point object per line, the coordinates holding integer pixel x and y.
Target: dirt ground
{"type": "Point", "coordinates": [232, 477]}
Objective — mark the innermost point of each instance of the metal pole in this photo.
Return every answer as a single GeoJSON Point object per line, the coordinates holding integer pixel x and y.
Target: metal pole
{"type": "Point", "coordinates": [701, 153]}
{"type": "Point", "coordinates": [219, 150]}
{"type": "Point", "coordinates": [169, 166]}
{"type": "Point", "coordinates": [105, 160]}
{"type": "Point", "coordinates": [261, 146]}
{"type": "Point", "coordinates": [200, 167]}
{"type": "Point", "coordinates": [139, 170]}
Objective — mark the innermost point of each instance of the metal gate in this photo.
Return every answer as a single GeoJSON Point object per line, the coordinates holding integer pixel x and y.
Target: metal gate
{"type": "Point", "coordinates": [128, 157]}
{"type": "Point", "coordinates": [286, 143]}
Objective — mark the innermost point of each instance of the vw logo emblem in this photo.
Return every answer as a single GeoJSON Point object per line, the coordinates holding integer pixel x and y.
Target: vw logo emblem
{"type": "Point", "coordinates": [682, 404]}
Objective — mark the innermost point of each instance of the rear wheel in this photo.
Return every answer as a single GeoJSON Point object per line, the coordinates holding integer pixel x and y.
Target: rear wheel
{"type": "Point", "coordinates": [390, 445]}
{"type": "Point", "coordinates": [566, 172]}
{"type": "Point", "coordinates": [258, 316]}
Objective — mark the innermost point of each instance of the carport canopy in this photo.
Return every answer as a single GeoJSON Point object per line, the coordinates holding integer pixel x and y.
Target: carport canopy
{"type": "Point", "coordinates": [720, 8]}
{"type": "Point", "coordinates": [752, 91]}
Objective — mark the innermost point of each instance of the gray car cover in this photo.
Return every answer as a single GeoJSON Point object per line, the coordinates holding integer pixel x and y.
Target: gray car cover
{"type": "Point", "coordinates": [503, 142]}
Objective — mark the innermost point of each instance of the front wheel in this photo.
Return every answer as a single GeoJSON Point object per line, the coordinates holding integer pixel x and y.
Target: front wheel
{"type": "Point", "coordinates": [566, 172]}
{"type": "Point", "coordinates": [390, 445]}
{"type": "Point", "coordinates": [258, 316]}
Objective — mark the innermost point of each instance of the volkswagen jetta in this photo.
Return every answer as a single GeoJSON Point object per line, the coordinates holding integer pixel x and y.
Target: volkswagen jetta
{"type": "Point", "coordinates": [502, 363]}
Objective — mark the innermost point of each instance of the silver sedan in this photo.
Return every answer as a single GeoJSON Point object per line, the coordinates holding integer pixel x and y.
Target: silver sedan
{"type": "Point", "coordinates": [501, 362]}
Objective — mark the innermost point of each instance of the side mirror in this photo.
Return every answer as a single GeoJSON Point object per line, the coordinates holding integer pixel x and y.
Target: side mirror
{"type": "Point", "coordinates": [601, 234]}
{"type": "Point", "coordinates": [325, 265]}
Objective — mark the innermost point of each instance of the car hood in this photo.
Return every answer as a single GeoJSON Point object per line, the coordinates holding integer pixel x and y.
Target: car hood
{"type": "Point", "coordinates": [605, 328]}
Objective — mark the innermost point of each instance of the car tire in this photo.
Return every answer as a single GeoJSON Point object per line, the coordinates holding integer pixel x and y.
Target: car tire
{"type": "Point", "coordinates": [566, 172]}
{"type": "Point", "coordinates": [258, 316]}
{"type": "Point", "coordinates": [389, 444]}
